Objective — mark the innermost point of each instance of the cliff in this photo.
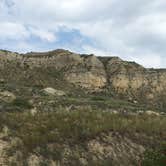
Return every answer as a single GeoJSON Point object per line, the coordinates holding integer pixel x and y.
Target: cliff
{"type": "Point", "coordinates": [122, 79]}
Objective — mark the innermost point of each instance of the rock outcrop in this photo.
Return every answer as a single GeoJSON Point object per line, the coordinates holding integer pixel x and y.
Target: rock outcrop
{"type": "Point", "coordinates": [134, 81]}
{"type": "Point", "coordinates": [7, 96]}
{"type": "Point", "coordinates": [89, 74]}
{"type": "Point", "coordinates": [53, 92]}
{"type": "Point", "coordinates": [124, 79]}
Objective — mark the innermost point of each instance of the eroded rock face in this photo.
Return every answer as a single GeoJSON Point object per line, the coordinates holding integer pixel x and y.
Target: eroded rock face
{"type": "Point", "coordinates": [125, 79]}
{"type": "Point", "coordinates": [132, 80]}
{"type": "Point", "coordinates": [59, 59]}
{"type": "Point", "coordinates": [87, 80]}
{"type": "Point", "coordinates": [114, 148]}
{"type": "Point", "coordinates": [90, 74]}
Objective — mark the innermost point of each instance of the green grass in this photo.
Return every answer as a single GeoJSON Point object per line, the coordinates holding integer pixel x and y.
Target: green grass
{"type": "Point", "coordinates": [99, 102]}
{"type": "Point", "coordinates": [77, 126]}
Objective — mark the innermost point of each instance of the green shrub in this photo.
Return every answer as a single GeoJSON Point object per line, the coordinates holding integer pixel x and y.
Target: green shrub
{"type": "Point", "coordinates": [96, 98]}
{"type": "Point", "coordinates": [156, 157]}
{"type": "Point", "coordinates": [22, 103]}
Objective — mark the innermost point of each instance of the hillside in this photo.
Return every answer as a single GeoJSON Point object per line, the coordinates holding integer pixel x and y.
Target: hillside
{"type": "Point", "coordinates": [62, 108]}
{"type": "Point", "coordinates": [109, 75]}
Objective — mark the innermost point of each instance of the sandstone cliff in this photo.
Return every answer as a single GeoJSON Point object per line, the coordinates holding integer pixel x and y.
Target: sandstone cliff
{"type": "Point", "coordinates": [95, 74]}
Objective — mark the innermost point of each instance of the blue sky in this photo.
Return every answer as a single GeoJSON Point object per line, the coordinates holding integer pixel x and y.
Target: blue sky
{"type": "Point", "coordinates": [134, 30]}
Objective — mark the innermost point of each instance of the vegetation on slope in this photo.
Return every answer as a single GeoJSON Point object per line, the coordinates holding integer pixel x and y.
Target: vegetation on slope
{"type": "Point", "coordinates": [76, 128]}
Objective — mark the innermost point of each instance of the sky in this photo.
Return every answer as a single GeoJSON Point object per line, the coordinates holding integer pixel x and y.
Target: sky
{"type": "Point", "coordinates": [134, 30]}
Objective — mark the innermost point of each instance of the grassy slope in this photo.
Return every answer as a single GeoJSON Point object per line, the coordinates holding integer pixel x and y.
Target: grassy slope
{"type": "Point", "coordinates": [76, 128]}
{"type": "Point", "coordinates": [88, 117]}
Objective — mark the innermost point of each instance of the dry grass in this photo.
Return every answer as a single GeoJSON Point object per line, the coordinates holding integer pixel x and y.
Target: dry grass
{"type": "Point", "coordinates": [77, 126]}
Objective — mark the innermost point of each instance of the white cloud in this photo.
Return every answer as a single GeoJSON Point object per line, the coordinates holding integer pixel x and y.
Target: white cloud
{"type": "Point", "coordinates": [9, 30]}
{"type": "Point", "coordinates": [43, 34]}
{"type": "Point", "coordinates": [16, 31]}
{"type": "Point", "coordinates": [149, 60]}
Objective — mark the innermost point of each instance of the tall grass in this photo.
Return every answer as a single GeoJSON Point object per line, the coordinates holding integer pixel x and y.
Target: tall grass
{"type": "Point", "coordinates": [76, 126]}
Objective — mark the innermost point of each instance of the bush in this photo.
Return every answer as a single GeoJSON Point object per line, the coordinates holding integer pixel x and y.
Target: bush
{"type": "Point", "coordinates": [98, 98]}
{"type": "Point", "coordinates": [156, 157]}
{"type": "Point", "coordinates": [22, 103]}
